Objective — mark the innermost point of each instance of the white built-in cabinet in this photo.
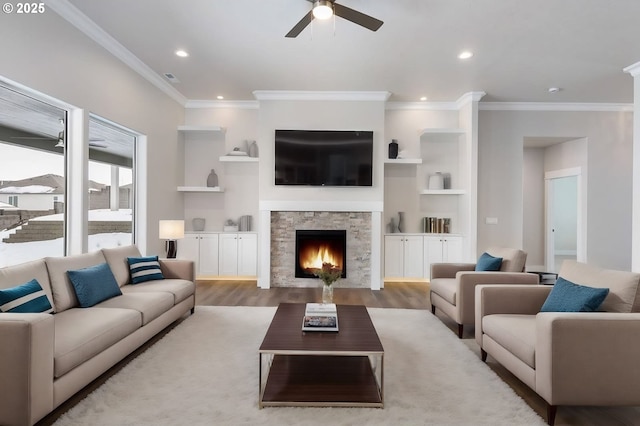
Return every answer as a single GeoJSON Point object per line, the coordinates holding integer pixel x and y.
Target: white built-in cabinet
{"type": "Point", "coordinates": [441, 248]}
{"type": "Point", "coordinates": [221, 254]}
{"type": "Point", "coordinates": [201, 248]}
{"type": "Point", "coordinates": [238, 254]}
{"type": "Point", "coordinates": [403, 256]}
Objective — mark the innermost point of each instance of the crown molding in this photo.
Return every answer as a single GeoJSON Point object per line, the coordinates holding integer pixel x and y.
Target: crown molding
{"type": "Point", "coordinates": [555, 106]}
{"type": "Point", "coordinates": [468, 98]}
{"type": "Point", "coordinates": [310, 95]}
{"type": "Point", "coordinates": [78, 19]}
{"type": "Point", "coordinates": [633, 69]}
{"type": "Point", "coordinates": [203, 103]}
{"type": "Point", "coordinates": [422, 105]}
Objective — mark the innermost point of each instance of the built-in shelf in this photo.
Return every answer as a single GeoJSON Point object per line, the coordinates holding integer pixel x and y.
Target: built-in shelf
{"type": "Point", "coordinates": [403, 161]}
{"type": "Point", "coordinates": [200, 189]}
{"type": "Point", "coordinates": [238, 159]}
{"type": "Point", "coordinates": [442, 131]}
{"type": "Point", "coordinates": [190, 128]}
{"type": "Point", "coordinates": [443, 192]}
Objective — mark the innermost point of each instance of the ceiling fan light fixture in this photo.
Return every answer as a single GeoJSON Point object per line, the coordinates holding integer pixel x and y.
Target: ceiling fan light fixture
{"type": "Point", "coordinates": [322, 9]}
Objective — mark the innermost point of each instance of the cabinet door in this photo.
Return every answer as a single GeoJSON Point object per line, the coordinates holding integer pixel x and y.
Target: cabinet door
{"type": "Point", "coordinates": [413, 256]}
{"type": "Point", "coordinates": [432, 254]}
{"type": "Point", "coordinates": [247, 254]}
{"type": "Point", "coordinates": [228, 254]}
{"type": "Point", "coordinates": [208, 254]}
{"type": "Point", "coordinates": [393, 256]}
{"type": "Point", "coordinates": [452, 249]}
{"type": "Point", "coordinates": [188, 249]}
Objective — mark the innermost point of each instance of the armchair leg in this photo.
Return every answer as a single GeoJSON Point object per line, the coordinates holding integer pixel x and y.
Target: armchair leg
{"type": "Point", "coordinates": [551, 414]}
{"type": "Point", "coordinates": [460, 327]}
{"type": "Point", "coordinates": [193, 310]}
{"type": "Point", "coordinates": [483, 355]}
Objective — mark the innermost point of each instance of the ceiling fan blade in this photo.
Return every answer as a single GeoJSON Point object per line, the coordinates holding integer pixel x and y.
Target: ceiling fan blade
{"type": "Point", "coordinates": [301, 25]}
{"type": "Point", "coordinates": [356, 17]}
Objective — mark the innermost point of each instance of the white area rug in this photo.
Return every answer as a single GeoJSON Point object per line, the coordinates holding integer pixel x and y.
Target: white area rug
{"type": "Point", "coordinates": [205, 372]}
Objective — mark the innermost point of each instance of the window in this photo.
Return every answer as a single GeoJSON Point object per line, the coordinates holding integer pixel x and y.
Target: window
{"type": "Point", "coordinates": [32, 175]}
{"type": "Point", "coordinates": [111, 184]}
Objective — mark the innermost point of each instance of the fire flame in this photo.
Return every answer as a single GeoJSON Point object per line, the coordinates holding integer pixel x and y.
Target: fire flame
{"type": "Point", "coordinates": [313, 257]}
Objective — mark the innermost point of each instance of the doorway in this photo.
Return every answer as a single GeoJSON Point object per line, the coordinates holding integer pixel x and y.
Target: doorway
{"type": "Point", "coordinates": [563, 219]}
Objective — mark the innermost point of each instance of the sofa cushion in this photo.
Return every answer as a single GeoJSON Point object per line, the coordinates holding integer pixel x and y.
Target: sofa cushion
{"type": "Point", "coordinates": [515, 333]}
{"type": "Point", "coordinates": [150, 304]}
{"type": "Point", "coordinates": [83, 333]}
{"type": "Point", "coordinates": [64, 296]}
{"type": "Point", "coordinates": [116, 257]}
{"type": "Point", "coordinates": [14, 275]}
{"type": "Point", "coordinates": [94, 284]}
{"type": "Point", "coordinates": [513, 260]}
{"type": "Point", "coordinates": [445, 288]}
{"type": "Point", "coordinates": [144, 269]}
{"type": "Point", "coordinates": [27, 298]}
{"type": "Point", "coordinates": [486, 262]}
{"type": "Point", "coordinates": [569, 297]}
{"type": "Point", "coordinates": [624, 295]}
{"type": "Point", "coordinates": [181, 289]}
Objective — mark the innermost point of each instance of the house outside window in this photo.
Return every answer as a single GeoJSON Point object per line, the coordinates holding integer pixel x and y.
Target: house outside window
{"type": "Point", "coordinates": [13, 200]}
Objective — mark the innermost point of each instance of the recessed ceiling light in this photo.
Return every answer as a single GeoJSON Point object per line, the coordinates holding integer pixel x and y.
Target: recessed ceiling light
{"type": "Point", "coordinates": [220, 97]}
{"type": "Point", "coordinates": [554, 89]}
{"type": "Point", "coordinates": [182, 53]}
{"type": "Point", "coordinates": [465, 54]}
{"type": "Point", "coordinates": [424, 98]}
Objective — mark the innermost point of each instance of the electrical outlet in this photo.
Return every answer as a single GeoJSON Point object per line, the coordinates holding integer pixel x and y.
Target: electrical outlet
{"type": "Point", "coordinates": [491, 220]}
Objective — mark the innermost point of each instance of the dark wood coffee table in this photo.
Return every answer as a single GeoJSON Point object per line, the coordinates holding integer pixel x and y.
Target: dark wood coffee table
{"type": "Point", "coordinates": [336, 369]}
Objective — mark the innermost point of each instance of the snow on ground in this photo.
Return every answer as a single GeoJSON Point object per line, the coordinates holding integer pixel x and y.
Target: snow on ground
{"type": "Point", "coordinates": [14, 253]}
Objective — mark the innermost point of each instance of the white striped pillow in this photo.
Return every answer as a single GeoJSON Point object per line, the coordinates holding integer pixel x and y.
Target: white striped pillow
{"type": "Point", "coordinates": [25, 298]}
{"type": "Point", "coordinates": [144, 269]}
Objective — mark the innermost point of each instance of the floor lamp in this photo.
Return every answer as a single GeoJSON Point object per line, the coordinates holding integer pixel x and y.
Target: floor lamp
{"type": "Point", "coordinates": [171, 230]}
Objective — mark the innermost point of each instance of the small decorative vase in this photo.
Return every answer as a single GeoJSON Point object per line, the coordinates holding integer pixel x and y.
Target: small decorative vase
{"type": "Point", "coordinates": [392, 226]}
{"type": "Point", "coordinates": [253, 149]}
{"type": "Point", "coordinates": [212, 179]}
{"type": "Point", "coordinates": [393, 149]}
{"type": "Point", "coordinates": [436, 181]}
{"type": "Point", "coordinates": [327, 293]}
{"type": "Point", "coordinates": [400, 221]}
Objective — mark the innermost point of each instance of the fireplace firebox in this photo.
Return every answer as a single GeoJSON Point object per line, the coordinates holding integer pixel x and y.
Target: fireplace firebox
{"type": "Point", "coordinates": [315, 247]}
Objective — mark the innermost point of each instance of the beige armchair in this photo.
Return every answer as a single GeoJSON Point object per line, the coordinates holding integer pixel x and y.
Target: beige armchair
{"type": "Point", "coordinates": [583, 358]}
{"type": "Point", "coordinates": [452, 285]}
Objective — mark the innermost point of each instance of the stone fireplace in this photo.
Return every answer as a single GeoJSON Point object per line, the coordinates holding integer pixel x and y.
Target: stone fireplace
{"type": "Point", "coordinates": [360, 221]}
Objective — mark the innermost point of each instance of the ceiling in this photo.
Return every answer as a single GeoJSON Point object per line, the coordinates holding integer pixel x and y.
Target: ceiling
{"type": "Point", "coordinates": [521, 48]}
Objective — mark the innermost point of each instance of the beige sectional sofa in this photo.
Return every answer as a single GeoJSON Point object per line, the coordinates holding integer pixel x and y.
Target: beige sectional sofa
{"type": "Point", "coordinates": [568, 358]}
{"type": "Point", "coordinates": [47, 358]}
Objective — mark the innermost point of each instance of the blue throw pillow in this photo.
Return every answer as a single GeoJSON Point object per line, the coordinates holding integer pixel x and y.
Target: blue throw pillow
{"type": "Point", "coordinates": [488, 263]}
{"type": "Point", "coordinates": [26, 298]}
{"type": "Point", "coordinates": [569, 297]}
{"type": "Point", "coordinates": [144, 269]}
{"type": "Point", "coordinates": [94, 284]}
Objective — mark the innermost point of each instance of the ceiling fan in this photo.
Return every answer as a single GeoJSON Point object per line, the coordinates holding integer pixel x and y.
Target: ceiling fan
{"type": "Point", "coordinates": [94, 142]}
{"type": "Point", "coordinates": [324, 9]}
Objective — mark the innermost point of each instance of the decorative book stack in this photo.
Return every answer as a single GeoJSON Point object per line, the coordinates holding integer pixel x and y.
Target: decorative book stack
{"type": "Point", "coordinates": [320, 317]}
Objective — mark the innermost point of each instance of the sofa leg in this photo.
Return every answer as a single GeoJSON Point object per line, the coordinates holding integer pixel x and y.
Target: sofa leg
{"type": "Point", "coordinates": [433, 309]}
{"type": "Point", "coordinates": [193, 310]}
{"type": "Point", "coordinates": [483, 355]}
{"type": "Point", "coordinates": [460, 327]}
{"type": "Point", "coordinates": [551, 414]}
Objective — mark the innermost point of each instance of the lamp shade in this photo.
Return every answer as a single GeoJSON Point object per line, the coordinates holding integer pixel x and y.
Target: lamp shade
{"type": "Point", "coordinates": [171, 229]}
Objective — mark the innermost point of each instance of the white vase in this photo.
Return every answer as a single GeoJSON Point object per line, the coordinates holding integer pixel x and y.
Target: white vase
{"type": "Point", "coordinates": [436, 181]}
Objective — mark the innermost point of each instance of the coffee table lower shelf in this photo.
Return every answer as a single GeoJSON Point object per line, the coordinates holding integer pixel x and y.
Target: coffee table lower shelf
{"type": "Point", "coordinates": [321, 381]}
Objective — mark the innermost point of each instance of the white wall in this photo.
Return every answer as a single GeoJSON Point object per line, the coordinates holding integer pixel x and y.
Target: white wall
{"type": "Point", "coordinates": [46, 53]}
{"type": "Point", "coordinates": [609, 172]}
{"type": "Point", "coordinates": [533, 206]}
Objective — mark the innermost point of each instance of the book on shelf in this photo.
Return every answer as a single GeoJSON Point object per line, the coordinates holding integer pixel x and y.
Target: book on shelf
{"type": "Point", "coordinates": [320, 323]}
{"type": "Point", "coordinates": [321, 309]}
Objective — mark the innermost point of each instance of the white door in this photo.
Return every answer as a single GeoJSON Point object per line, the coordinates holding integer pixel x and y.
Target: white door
{"type": "Point", "coordinates": [393, 256]}
{"type": "Point", "coordinates": [452, 249]}
{"type": "Point", "coordinates": [228, 254]}
{"type": "Point", "coordinates": [247, 254]}
{"type": "Point", "coordinates": [208, 254]}
{"type": "Point", "coordinates": [188, 248]}
{"type": "Point", "coordinates": [413, 257]}
{"type": "Point", "coordinates": [432, 254]}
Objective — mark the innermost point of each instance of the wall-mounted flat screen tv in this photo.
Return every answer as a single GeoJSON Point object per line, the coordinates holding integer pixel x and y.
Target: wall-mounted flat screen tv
{"type": "Point", "coordinates": [323, 157]}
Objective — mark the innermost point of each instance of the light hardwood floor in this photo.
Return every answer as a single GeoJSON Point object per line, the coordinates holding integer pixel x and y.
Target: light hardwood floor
{"type": "Point", "coordinates": [407, 295]}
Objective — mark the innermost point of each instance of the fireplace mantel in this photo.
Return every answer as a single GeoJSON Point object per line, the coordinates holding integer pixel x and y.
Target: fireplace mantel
{"type": "Point", "coordinates": [266, 207]}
